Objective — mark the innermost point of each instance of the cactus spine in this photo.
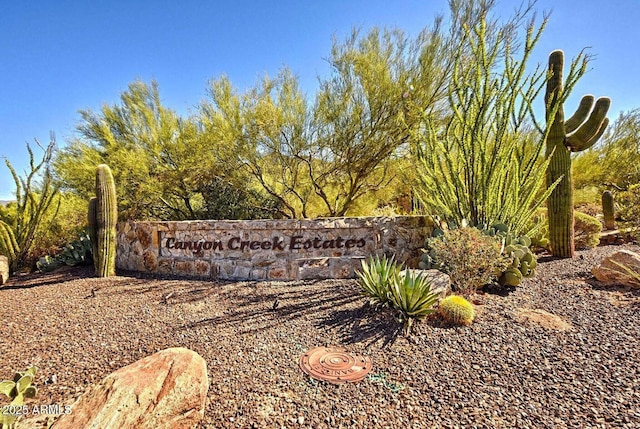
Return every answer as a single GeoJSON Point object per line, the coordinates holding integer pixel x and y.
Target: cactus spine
{"type": "Point", "coordinates": [106, 214]}
{"type": "Point", "coordinates": [608, 210]}
{"type": "Point", "coordinates": [575, 134]}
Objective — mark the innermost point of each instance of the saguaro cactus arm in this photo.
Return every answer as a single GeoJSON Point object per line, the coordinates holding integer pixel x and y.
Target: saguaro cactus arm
{"type": "Point", "coordinates": [588, 132]}
{"type": "Point", "coordinates": [586, 104]}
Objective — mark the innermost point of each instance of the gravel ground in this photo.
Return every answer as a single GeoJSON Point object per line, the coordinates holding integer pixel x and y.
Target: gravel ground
{"type": "Point", "coordinates": [502, 371]}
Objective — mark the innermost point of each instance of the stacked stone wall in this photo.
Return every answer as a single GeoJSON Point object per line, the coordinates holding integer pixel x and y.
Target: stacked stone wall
{"type": "Point", "coordinates": [268, 249]}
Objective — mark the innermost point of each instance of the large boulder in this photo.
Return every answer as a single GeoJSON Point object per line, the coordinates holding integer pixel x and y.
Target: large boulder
{"type": "Point", "coordinates": [621, 268]}
{"type": "Point", "coordinates": [4, 269]}
{"type": "Point", "coordinates": [440, 282]}
{"type": "Point", "coordinates": [164, 390]}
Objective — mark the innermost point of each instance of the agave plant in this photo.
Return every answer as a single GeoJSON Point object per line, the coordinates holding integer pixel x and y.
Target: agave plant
{"type": "Point", "coordinates": [376, 277]}
{"type": "Point", "coordinates": [411, 295]}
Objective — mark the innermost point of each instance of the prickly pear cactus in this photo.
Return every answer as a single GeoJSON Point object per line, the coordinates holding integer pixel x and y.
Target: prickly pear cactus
{"type": "Point", "coordinates": [575, 134]}
{"type": "Point", "coordinates": [16, 391]}
{"type": "Point", "coordinates": [106, 218]}
{"type": "Point", "coordinates": [608, 210]}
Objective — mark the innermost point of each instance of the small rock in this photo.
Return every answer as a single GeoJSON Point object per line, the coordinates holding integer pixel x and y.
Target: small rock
{"type": "Point", "coordinates": [545, 319]}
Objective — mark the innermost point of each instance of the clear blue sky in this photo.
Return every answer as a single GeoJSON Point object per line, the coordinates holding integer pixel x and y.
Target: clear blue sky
{"type": "Point", "coordinates": [57, 57]}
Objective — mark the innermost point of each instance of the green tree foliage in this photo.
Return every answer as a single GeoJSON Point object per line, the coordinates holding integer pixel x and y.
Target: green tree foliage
{"type": "Point", "coordinates": [60, 227]}
{"type": "Point", "coordinates": [615, 162]}
{"type": "Point", "coordinates": [22, 221]}
{"type": "Point", "coordinates": [164, 167]}
{"type": "Point", "coordinates": [484, 162]}
{"type": "Point", "coordinates": [320, 158]}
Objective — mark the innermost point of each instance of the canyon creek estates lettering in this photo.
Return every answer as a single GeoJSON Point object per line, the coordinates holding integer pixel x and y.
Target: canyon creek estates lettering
{"type": "Point", "coordinates": [295, 242]}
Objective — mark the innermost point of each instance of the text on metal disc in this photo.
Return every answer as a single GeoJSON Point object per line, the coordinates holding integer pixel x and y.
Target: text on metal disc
{"type": "Point", "coordinates": [335, 365]}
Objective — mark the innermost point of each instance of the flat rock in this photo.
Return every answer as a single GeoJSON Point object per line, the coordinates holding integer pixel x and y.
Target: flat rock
{"type": "Point", "coordinates": [544, 319]}
{"type": "Point", "coordinates": [4, 269]}
{"type": "Point", "coordinates": [440, 282]}
{"type": "Point", "coordinates": [165, 390]}
{"type": "Point", "coordinates": [621, 268]}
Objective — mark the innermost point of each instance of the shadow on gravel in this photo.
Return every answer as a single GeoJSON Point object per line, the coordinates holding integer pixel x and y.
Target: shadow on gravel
{"type": "Point", "coordinates": [363, 324]}
{"type": "Point", "coordinates": [265, 307]}
{"type": "Point", "coordinates": [65, 274]}
{"type": "Point", "coordinates": [620, 289]}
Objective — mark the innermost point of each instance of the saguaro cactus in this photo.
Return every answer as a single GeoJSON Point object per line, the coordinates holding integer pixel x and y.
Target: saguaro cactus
{"type": "Point", "coordinates": [92, 230]}
{"type": "Point", "coordinates": [106, 218]}
{"type": "Point", "coordinates": [575, 134]}
{"type": "Point", "coordinates": [608, 211]}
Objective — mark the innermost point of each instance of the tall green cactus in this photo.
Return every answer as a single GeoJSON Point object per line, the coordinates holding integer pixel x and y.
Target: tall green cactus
{"type": "Point", "coordinates": [106, 218]}
{"type": "Point", "coordinates": [575, 134]}
{"type": "Point", "coordinates": [608, 210]}
{"type": "Point", "coordinates": [92, 230]}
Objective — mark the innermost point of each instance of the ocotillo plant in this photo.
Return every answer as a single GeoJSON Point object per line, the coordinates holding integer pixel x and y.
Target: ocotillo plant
{"type": "Point", "coordinates": [106, 218]}
{"type": "Point", "coordinates": [608, 210]}
{"type": "Point", "coordinates": [575, 134]}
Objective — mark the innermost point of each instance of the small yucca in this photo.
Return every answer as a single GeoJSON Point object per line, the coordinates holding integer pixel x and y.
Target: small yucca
{"type": "Point", "coordinates": [457, 310]}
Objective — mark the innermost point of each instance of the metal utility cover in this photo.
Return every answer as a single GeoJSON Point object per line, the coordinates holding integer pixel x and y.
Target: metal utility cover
{"type": "Point", "coordinates": [335, 365]}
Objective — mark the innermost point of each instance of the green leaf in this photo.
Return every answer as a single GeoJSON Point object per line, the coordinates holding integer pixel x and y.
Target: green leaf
{"type": "Point", "coordinates": [6, 387]}
{"type": "Point", "coordinates": [24, 382]}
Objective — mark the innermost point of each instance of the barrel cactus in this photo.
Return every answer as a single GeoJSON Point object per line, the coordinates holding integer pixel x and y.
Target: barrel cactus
{"type": "Point", "coordinates": [575, 134]}
{"type": "Point", "coordinates": [608, 210]}
{"type": "Point", "coordinates": [457, 310]}
{"type": "Point", "coordinates": [106, 214]}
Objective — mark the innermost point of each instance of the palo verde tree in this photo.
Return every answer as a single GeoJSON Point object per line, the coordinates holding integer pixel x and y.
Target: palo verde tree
{"type": "Point", "coordinates": [35, 195]}
{"type": "Point", "coordinates": [320, 158]}
{"type": "Point", "coordinates": [483, 163]}
{"type": "Point", "coordinates": [129, 137]}
{"type": "Point", "coordinates": [576, 134]}
{"type": "Point", "coordinates": [164, 166]}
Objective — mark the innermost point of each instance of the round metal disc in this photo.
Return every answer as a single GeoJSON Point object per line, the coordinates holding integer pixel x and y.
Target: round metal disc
{"type": "Point", "coordinates": [335, 365]}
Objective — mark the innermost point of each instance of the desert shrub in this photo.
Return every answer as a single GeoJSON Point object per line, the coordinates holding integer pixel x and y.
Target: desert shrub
{"type": "Point", "coordinates": [629, 201]}
{"type": "Point", "coordinates": [592, 209]}
{"type": "Point", "coordinates": [586, 195]}
{"type": "Point", "coordinates": [56, 232]}
{"type": "Point", "coordinates": [471, 258]}
{"type": "Point", "coordinates": [587, 230]}
{"type": "Point", "coordinates": [457, 310]}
